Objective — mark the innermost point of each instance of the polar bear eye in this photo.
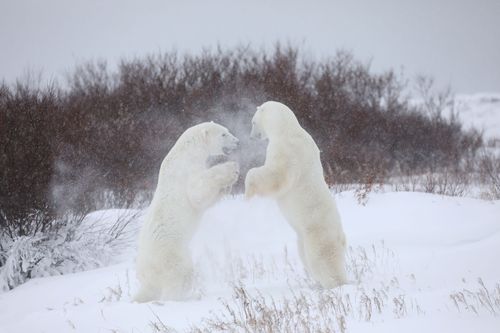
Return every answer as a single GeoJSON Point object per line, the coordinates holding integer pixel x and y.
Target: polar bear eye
{"type": "Point", "coordinates": [224, 134]}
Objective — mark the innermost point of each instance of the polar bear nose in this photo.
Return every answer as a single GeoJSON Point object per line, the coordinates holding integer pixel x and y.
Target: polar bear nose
{"type": "Point", "coordinates": [255, 134]}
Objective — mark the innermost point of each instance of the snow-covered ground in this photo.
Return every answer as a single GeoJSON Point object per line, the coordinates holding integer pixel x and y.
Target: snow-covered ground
{"type": "Point", "coordinates": [418, 262]}
{"type": "Point", "coordinates": [481, 111]}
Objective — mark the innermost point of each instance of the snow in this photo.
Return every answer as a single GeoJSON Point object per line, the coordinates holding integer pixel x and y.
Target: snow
{"type": "Point", "coordinates": [422, 247]}
{"type": "Point", "coordinates": [481, 111]}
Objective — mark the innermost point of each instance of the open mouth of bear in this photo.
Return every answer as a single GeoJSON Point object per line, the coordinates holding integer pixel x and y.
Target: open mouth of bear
{"type": "Point", "coordinates": [227, 150]}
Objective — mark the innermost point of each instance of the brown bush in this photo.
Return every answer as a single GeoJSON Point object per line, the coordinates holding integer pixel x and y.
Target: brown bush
{"type": "Point", "coordinates": [108, 130]}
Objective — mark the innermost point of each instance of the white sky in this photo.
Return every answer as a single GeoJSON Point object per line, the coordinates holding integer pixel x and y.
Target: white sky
{"type": "Point", "coordinates": [456, 41]}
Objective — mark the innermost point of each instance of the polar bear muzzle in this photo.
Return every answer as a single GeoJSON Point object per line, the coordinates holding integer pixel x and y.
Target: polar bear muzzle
{"type": "Point", "coordinates": [230, 143]}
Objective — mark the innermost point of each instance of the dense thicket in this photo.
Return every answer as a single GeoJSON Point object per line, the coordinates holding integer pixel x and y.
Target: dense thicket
{"type": "Point", "coordinates": [108, 130]}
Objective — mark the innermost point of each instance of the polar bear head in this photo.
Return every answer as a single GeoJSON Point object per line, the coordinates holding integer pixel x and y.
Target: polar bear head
{"type": "Point", "coordinates": [213, 139]}
{"type": "Point", "coordinates": [273, 119]}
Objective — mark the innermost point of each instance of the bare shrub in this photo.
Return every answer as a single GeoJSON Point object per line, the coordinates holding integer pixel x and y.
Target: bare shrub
{"type": "Point", "coordinates": [343, 187]}
{"type": "Point", "coordinates": [71, 247]}
{"type": "Point", "coordinates": [455, 183]}
{"type": "Point", "coordinates": [27, 131]}
{"type": "Point", "coordinates": [447, 183]}
{"type": "Point", "coordinates": [369, 184]}
{"type": "Point", "coordinates": [489, 171]}
{"type": "Point", "coordinates": [108, 130]}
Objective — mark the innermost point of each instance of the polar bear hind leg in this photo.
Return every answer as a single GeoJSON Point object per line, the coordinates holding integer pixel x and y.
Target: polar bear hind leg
{"type": "Point", "coordinates": [175, 276]}
{"type": "Point", "coordinates": [178, 282]}
{"type": "Point", "coordinates": [325, 262]}
{"type": "Point", "coordinates": [302, 256]}
{"type": "Point", "coordinates": [170, 281]}
{"type": "Point", "coordinates": [145, 294]}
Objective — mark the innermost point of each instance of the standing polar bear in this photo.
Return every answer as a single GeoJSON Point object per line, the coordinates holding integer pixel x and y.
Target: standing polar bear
{"type": "Point", "coordinates": [186, 188]}
{"type": "Point", "coordinates": [293, 175]}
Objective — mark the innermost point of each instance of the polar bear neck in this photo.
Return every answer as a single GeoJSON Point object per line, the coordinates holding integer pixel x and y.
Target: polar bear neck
{"type": "Point", "coordinates": [191, 155]}
{"type": "Point", "coordinates": [190, 148]}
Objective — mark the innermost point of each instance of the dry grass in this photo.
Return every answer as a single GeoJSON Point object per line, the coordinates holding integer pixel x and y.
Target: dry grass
{"type": "Point", "coordinates": [482, 299]}
{"type": "Point", "coordinates": [364, 263]}
{"type": "Point", "coordinates": [304, 307]}
{"type": "Point", "coordinates": [307, 310]}
{"type": "Point", "coordinates": [119, 291]}
{"type": "Point", "coordinates": [158, 326]}
{"type": "Point", "coordinates": [378, 292]}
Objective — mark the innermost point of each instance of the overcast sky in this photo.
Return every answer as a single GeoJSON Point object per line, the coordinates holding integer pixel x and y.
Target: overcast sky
{"type": "Point", "coordinates": [456, 41]}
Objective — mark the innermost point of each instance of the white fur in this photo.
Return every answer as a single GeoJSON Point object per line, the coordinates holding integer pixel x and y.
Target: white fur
{"type": "Point", "coordinates": [293, 175]}
{"type": "Point", "coordinates": [186, 188]}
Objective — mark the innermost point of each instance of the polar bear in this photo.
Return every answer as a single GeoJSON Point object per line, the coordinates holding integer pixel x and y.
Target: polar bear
{"type": "Point", "coordinates": [293, 175]}
{"type": "Point", "coordinates": [186, 188]}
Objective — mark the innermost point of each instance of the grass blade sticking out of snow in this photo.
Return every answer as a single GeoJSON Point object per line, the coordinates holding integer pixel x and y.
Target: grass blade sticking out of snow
{"type": "Point", "coordinates": [303, 307]}
{"type": "Point", "coordinates": [481, 299]}
{"type": "Point", "coordinates": [308, 310]}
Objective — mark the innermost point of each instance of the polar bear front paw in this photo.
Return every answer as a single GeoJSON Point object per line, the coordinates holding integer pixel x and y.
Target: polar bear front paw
{"type": "Point", "coordinates": [228, 173]}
